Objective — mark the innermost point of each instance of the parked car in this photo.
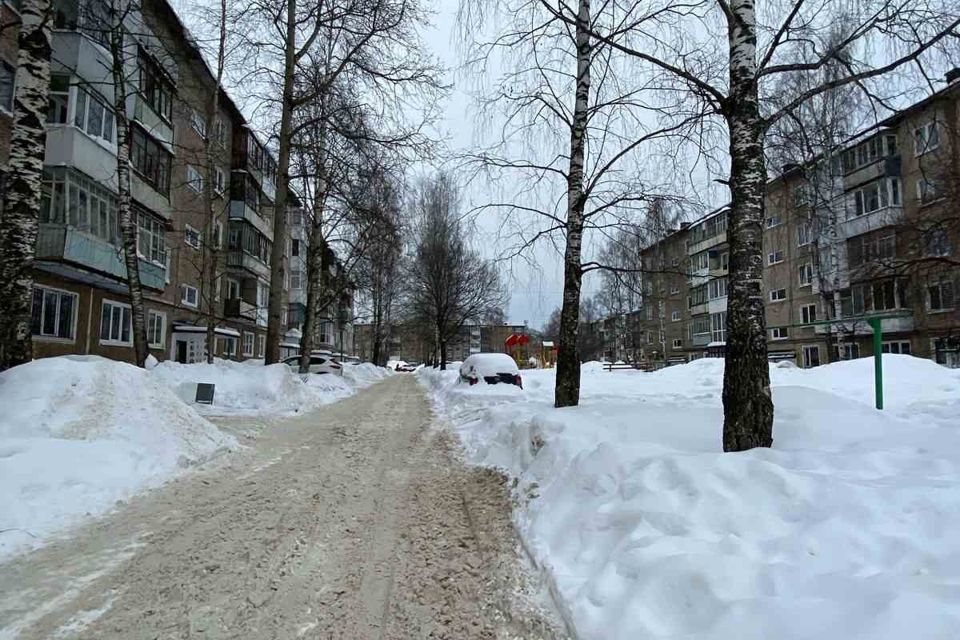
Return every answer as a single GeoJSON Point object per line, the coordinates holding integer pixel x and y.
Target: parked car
{"type": "Point", "coordinates": [318, 364]}
{"type": "Point", "coordinates": [492, 368]}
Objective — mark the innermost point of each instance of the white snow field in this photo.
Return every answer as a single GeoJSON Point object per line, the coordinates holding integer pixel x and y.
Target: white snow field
{"type": "Point", "coordinates": [847, 528]}
{"type": "Point", "coordinates": [79, 433]}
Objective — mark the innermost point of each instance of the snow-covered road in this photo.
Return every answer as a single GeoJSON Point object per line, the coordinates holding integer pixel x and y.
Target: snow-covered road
{"type": "Point", "coordinates": [354, 521]}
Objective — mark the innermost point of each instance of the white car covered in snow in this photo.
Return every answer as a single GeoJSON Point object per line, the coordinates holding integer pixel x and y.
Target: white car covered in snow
{"type": "Point", "coordinates": [492, 368]}
{"type": "Point", "coordinates": [319, 363]}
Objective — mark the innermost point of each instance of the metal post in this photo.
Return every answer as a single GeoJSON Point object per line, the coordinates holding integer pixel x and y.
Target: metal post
{"type": "Point", "coordinates": [875, 324]}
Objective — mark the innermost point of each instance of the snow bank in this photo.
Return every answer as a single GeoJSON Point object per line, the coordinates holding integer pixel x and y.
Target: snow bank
{"type": "Point", "coordinates": [364, 374]}
{"type": "Point", "coordinates": [78, 433]}
{"type": "Point", "coordinates": [845, 529]}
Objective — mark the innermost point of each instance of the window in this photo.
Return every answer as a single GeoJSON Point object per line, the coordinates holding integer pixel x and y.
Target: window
{"type": "Point", "coordinates": [156, 323]}
{"type": "Point", "coordinates": [718, 326]}
{"type": "Point", "coordinates": [116, 323]}
{"type": "Point", "coordinates": [876, 196]}
{"type": "Point", "coordinates": [896, 346]}
{"type": "Point", "coordinates": [725, 261]}
{"type": "Point", "coordinates": [801, 195]}
{"type": "Point", "coordinates": [717, 288]}
{"type": "Point", "coordinates": [778, 295]}
{"type": "Point", "coordinates": [811, 357]}
{"type": "Point", "coordinates": [775, 257]}
{"type": "Point", "coordinates": [150, 238]}
{"type": "Point", "coordinates": [294, 247]}
{"type": "Point", "coordinates": [93, 116]}
{"type": "Point", "coordinates": [878, 296]}
{"type": "Point", "coordinates": [155, 86]}
{"type": "Point", "coordinates": [69, 197]}
{"type": "Point", "coordinates": [773, 221]}
{"type": "Point", "coordinates": [677, 343]}
{"type": "Point", "coordinates": [219, 180]}
{"type": "Point", "coordinates": [7, 81]}
{"type": "Point", "coordinates": [808, 313]}
{"type": "Point", "coordinates": [806, 274]}
{"type": "Point", "coordinates": [804, 233]}
{"type": "Point", "coordinates": [926, 138]}
{"type": "Point", "coordinates": [700, 326]}
{"type": "Point", "coordinates": [869, 151]}
{"type": "Point", "coordinates": [675, 316]}
{"type": "Point", "coordinates": [674, 289]}
{"type": "Point", "coordinates": [937, 242]}
{"type": "Point", "coordinates": [872, 248]}
{"type": "Point", "coordinates": [227, 345]}
{"type": "Point", "coordinates": [296, 279]}
{"type": "Point", "coordinates": [700, 261]}
{"type": "Point", "coordinates": [53, 313]}
{"type": "Point", "coordinates": [220, 133]}
{"type": "Point", "coordinates": [928, 191]}
{"type": "Point", "coordinates": [59, 99]}
{"type": "Point", "coordinates": [698, 295]}
{"type": "Point", "coordinates": [194, 179]}
{"type": "Point", "coordinates": [150, 160]}
{"type": "Point", "coordinates": [191, 236]}
{"type": "Point", "coordinates": [233, 289]}
{"type": "Point", "coordinates": [199, 123]}
{"type": "Point", "coordinates": [261, 345]}
{"type": "Point", "coordinates": [248, 344]}
{"type": "Point", "coordinates": [326, 332]}
{"type": "Point", "coordinates": [779, 333]}
{"type": "Point", "coordinates": [940, 294]}
{"type": "Point", "coordinates": [188, 295]}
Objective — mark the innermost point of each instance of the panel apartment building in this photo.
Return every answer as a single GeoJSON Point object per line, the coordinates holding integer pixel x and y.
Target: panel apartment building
{"type": "Point", "coordinates": [80, 297]}
{"type": "Point", "coordinates": [872, 230]}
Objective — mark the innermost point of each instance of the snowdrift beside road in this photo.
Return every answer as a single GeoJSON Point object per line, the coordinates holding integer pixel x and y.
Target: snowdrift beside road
{"type": "Point", "coordinates": [845, 529]}
{"type": "Point", "coordinates": [78, 433]}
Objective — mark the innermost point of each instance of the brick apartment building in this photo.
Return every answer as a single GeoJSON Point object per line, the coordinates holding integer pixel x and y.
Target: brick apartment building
{"type": "Point", "coordinates": [871, 230]}
{"type": "Point", "coordinates": [80, 295]}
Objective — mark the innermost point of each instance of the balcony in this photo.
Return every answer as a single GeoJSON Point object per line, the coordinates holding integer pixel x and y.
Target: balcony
{"type": "Point", "coordinates": [67, 146]}
{"type": "Point", "coordinates": [149, 197]}
{"type": "Point", "coordinates": [76, 53]}
{"type": "Point", "coordinates": [883, 217]}
{"type": "Point", "coordinates": [62, 244]}
{"type": "Point", "coordinates": [860, 327]}
{"type": "Point", "coordinates": [240, 210]}
{"type": "Point", "coordinates": [880, 168]}
{"type": "Point", "coordinates": [701, 339]}
{"type": "Point", "coordinates": [151, 122]}
{"type": "Point", "coordinates": [247, 262]}
{"type": "Point", "coordinates": [238, 308]}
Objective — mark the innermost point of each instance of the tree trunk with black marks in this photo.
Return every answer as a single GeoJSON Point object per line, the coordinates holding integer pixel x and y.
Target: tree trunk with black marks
{"type": "Point", "coordinates": [747, 404]}
{"type": "Point", "coordinates": [21, 198]}
{"type": "Point", "coordinates": [567, 390]}
{"type": "Point", "coordinates": [443, 355]}
{"type": "Point", "coordinates": [317, 268]}
{"type": "Point", "coordinates": [125, 214]}
{"type": "Point", "coordinates": [278, 265]}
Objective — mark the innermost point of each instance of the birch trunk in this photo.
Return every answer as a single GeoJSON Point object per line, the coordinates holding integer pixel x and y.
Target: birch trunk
{"type": "Point", "coordinates": [277, 261]}
{"type": "Point", "coordinates": [212, 244]}
{"type": "Point", "coordinates": [317, 268]}
{"type": "Point", "coordinates": [125, 216]}
{"type": "Point", "coordinates": [747, 405]}
{"type": "Point", "coordinates": [21, 198]}
{"type": "Point", "coordinates": [567, 390]}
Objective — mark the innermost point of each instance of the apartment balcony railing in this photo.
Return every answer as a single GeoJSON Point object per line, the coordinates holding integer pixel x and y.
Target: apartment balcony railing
{"type": "Point", "coordinates": [882, 167]}
{"type": "Point", "coordinates": [238, 308]}
{"type": "Point", "coordinates": [62, 243]}
{"type": "Point", "coordinates": [860, 327]}
{"type": "Point", "coordinates": [247, 262]}
{"type": "Point", "coordinates": [883, 217]}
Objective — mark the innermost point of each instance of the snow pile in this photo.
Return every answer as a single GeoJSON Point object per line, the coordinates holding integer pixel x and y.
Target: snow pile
{"type": "Point", "coordinates": [78, 433]}
{"type": "Point", "coordinates": [252, 390]}
{"type": "Point", "coordinates": [364, 374]}
{"type": "Point", "coordinates": [845, 529]}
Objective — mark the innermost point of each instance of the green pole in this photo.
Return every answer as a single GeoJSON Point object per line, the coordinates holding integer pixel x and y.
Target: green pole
{"type": "Point", "coordinates": [877, 360]}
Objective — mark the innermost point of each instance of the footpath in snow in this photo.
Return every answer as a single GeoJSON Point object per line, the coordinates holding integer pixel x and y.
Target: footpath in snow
{"type": "Point", "coordinates": [79, 433]}
{"type": "Point", "coordinates": [846, 528]}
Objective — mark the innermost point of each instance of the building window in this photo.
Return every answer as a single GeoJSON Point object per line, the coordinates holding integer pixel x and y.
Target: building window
{"type": "Point", "coordinates": [248, 344]}
{"type": "Point", "coordinates": [228, 346]}
{"type": "Point", "coordinates": [151, 244]}
{"type": "Point", "coordinates": [808, 313]}
{"type": "Point", "coordinates": [294, 247]}
{"type": "Point", "coordinates": [896, 346]}
{"type": "Point", "coordinates": [199, 123]}
{"type": "Point", "coordinates": [233, 289]}
{"type": "Point", "coordinates": [220, 132]}
{"type": "Point", "coordinates": [804, 233]}
{"type": "Point", "coordinates": [779, 333]}
{"type": "Point", "coordinates": [194, 179]}
{"type": "Point", "coordinates": [219, 180]}
{"type": "Point", "coordinates": [188, 295]}
{"type": "Point", "coordinates": [868, 152]}
{"type": "Point", "coordinates": [150, 160]}
{"type": "Point", "coordinates": [677, 343]}
{"type": "Point", "coordinates": [53, 313]}
{"type": "Point", "coordinates": [846, 351]}
{"type": "Point", "coordinates": [261, 345]}
{"type": "Point", "coordinates": [717, 288]}
{"type": "Point", "coordinates": [884, 295]}
{"type": "Point", "coordinates": [93, 116]}
{"type": "Point", "coordinates": [806, 274]}
{"type": "Point", "coordinates": [156, 325]}
{"type": "Point", "coordinates": [326, 333]}
{"type": "Point", "coordinates": [926, 138]}
{"type": "Point", "coordinates": [928, 190]}
{"type": "Point", "coordinates": [811, 357]}
{"type": "Point", "coordinates": [675, 316]}
{"type": "Point", "coordinates": [940, 294]}
{"type": "Point", "coordinates": [876, 196]}
{"type": "Point", "coordinates": [116, 323]}
{"type": "Point", "coordinates": [191, 236]}
{"type": "Point", "coordinates": [69, 197]}
{"type": "Point", "coordinates": [872, 248]}
{"type": "Point", "coordinates": [778, 295]}
{"type": "Point", "coordinates": [7, 81]}
{"type": "Point", "coordinates": [773, 221]}
{"type": "Point", "coordinates": [775, 257]}
{"type": "Point", "coordinates": [296, 279]}
{"type": "Point", "coordinates": [937, 242]}
{"type": "Point", "coordinates": [700, 261]}
{"type": "Point", "coordinates": [718, 326]}
{"type": "Point", "coordinates": [155, 86]}
{"type": "Point", "coordinates": [59, 99]}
